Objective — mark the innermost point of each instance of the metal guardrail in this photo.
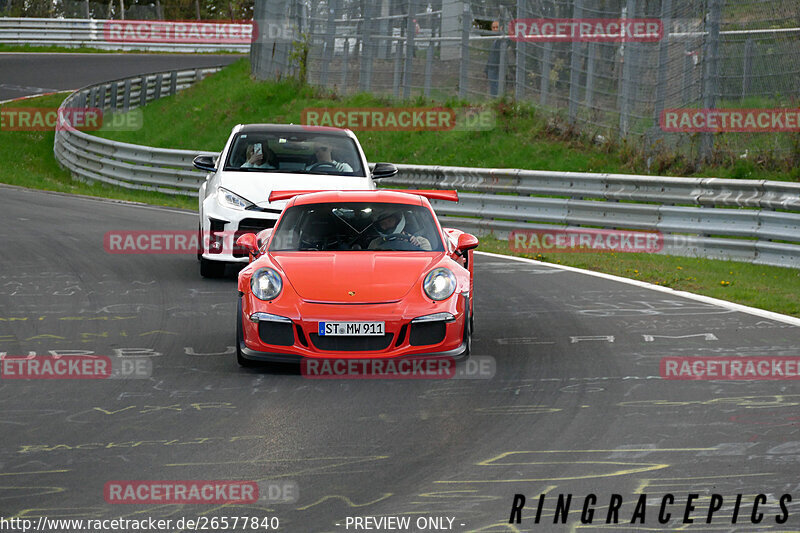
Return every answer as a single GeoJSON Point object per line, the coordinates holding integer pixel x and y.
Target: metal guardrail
{"type": "Point", "coordinates": [91, 33]}
{"type": "Point", "coordinates": [92, 158]}
{"type": "Point", "coordinates": [746, 220]}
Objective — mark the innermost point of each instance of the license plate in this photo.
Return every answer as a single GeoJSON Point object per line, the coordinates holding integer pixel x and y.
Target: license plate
{"type": "Point", "coordinates": [351, 329]}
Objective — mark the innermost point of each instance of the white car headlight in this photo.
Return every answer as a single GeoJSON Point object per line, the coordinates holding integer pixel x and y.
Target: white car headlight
{"type": "Point", "coordinates": [232, 200]}
{"type": "Point", "coordinates": [439, 284]}
{"type": "Point", "coordinates": [266, 284]}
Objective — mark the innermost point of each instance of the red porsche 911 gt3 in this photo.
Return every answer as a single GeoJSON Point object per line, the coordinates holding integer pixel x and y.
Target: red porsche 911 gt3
{"type": "Point", "coordinates": [355, 274]}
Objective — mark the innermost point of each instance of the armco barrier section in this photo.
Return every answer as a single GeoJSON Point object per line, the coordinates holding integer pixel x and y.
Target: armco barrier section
{"type": "Point", "coordinates": [746, 220]}
{"type": "Point", "coordinates": [92, 158]}
{"type": "Point", "coordinates": [91, 33]}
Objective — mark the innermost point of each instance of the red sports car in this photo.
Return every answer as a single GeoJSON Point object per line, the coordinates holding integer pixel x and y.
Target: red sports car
{"type": "Point", "coordinates": [355, 274]}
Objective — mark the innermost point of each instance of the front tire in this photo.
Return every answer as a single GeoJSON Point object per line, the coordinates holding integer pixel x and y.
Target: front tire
{"type": "Point", "coordinates": [243, 362]}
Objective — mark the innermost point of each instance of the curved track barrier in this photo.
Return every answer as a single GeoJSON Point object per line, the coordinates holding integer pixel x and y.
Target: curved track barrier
{"type": "Point", "coordinates": [755, 221]}
{"type": "Point", "coordinates": [98, 33]}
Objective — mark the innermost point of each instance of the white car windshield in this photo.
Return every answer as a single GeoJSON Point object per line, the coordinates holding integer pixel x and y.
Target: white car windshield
{"type": "Point", "coordinates": [357, 226]}
{"type": "Point", "coordinates": [298, 153]}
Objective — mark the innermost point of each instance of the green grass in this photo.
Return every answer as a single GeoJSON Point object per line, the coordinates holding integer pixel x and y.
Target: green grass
{"type": "Point", "coordinates": [28, 161]}
{"type": "Point", "coordinates": [202, 116]}
{"type": "Point", "coordinates": [185, 121]}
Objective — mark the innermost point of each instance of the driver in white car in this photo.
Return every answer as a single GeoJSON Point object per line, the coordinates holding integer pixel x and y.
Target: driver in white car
{"type": "Point", "coordinates": [322, 152]}
{"type": "Point", "coordinates": [392, 226]}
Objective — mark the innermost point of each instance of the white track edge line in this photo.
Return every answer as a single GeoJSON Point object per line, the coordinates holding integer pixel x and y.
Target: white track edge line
{"type": "Point", "coordinates": [771, 315]}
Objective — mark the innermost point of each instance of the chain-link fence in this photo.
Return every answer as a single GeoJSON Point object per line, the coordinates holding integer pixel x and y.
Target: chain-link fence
{"type": "Point", "coordinates": [708, 54]}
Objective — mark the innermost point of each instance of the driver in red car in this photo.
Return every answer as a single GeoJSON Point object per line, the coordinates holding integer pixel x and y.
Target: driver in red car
{"type": "Point", "coordinates": [322, 153]}
{"type": "Point", "coordinates": [391, 226]}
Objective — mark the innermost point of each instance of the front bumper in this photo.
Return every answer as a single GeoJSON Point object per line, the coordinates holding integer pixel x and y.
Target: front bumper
{"type": "Point", "coordinates": [294, 338]}
{"type": "Point", "coordinates": [223, 226]}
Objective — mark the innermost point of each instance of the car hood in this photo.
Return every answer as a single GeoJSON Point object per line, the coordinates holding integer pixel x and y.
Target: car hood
{"type": "Point", "coordinates": [256, 186]}
{"type": "Point", "coordinates": [372, 277]}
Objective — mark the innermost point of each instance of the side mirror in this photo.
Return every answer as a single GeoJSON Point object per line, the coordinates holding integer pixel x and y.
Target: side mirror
{"type": "Point", "coordinates": [466, 242]}
{"type": "Point", "coordinates": [383, 170]}
{"type": "Point", "coordinates": [248, 242]}
{"type": "Point", "coordinates": [262, 237]}
{"type": "Point", "coordinates": [204, 162]}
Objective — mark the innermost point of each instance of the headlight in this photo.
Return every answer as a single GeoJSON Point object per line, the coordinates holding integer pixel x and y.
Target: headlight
{"type": "Point", "coordinates": [266, 284]}
{"type": "Point", "coordinates": [439, 284]}
{"type": "Point", "coordinates": [228, 199]}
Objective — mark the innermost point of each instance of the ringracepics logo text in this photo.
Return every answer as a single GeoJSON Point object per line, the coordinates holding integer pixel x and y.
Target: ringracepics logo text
{"type": "Point", "coordinates": [655, 509]}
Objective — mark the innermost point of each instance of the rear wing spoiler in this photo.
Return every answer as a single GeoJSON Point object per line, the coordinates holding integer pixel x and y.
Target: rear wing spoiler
{"type": "Point", "coordinates": [430, 194]}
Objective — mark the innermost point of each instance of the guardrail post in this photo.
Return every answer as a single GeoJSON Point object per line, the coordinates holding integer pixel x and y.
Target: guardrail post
{"type": "Point", "coordinates": [101, 97]}
{"type": "Point", "coordinates": [173, 83]}
{"type": "Point", "coordinates": [157, 91]}
{"type": "Point", "coordinates": [114, 95]}
{"type": "Point", "coordinates": [463, 74]}
{"type": "Point", "coordinates": [126, 95]}
{"type": "Point", "coordinates": [143, 91]}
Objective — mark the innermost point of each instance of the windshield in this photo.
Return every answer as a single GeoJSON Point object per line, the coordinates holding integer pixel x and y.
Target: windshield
{"type": "Point", "coordinates": [307, 153]}
{"type": "Point", "coordinates": [356, 226]}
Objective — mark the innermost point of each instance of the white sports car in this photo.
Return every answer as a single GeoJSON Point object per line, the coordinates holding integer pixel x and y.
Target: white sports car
{"type": "Point", "coordinates": [259, 159]}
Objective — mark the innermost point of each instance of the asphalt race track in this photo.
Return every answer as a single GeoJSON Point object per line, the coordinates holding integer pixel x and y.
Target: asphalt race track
{"type": "Point", "coordinates": [576, 405]}
{"type": "Point", "coordinates": [32, 74]}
